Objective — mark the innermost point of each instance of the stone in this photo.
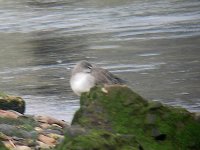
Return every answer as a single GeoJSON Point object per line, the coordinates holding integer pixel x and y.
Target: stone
{"type": "Point", "coordinates": [197, 116]}
{"type": "Point", "coordinates": [44, 125]}
{"type": "Point", "coordinates": [2, 146]}
{"type": "Point", "coordinates": [11, 130]}
{"type": "Point", "coordinates": [47, 140]}
{"type": "Point", "coordinates": [9, 114]}
{"type": "Point", "coordinates": [18, 147]}
{"type": "Point", "coordinates": [154, 105]}
{"type": "Point", "coordinates": [42, 145]}
{"type": "Point", "coordinates": [12, 103]}
{"type": "Point", "coordinates": [150, 119]}
{"type": "Point", "coordinates": [38, 129]}
{"type": "Point", "coordinates": [4, 137]}
{"type": "Point", "coordinates": [8, 144]}
{"type": "Point", "coordinates": [55, 136]}
{"type": "Point", "coordinates": [98, 140]}
{"type": "Point", "coordinates": [75, 130]}
{"type": "Point", "coordinates": [50, 120]}
{"type": "Point", "coordinates": [47, 131]}
{"type": "Point", "coordinates": [106, 116]}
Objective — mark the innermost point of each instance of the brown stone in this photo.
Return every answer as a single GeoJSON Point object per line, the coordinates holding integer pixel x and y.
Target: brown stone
{"type": "Point", "coordinates": [9, 114]}
{"type": "Point", "coordinates": [50, 120]}
{"type": "Point", "coordinates": [22, 148]}
{"type": "Point", "coordinates": [46, 139]}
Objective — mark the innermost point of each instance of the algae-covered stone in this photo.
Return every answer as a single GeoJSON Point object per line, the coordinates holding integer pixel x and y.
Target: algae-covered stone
{"type": "Point", "coordinates": [12, 103]}
{"type": "Point", "coordinates": [22, 127]}
{"type": "Point", "coordinates": [120, 111]}
{"type": "Point", "coordinates": [2, 147]}
{"type": "Point", "coordinates": [99, 140]}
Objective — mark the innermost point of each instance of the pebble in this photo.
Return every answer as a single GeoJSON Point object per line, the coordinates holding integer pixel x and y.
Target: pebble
{"type": "Point", "coordinates": [45, 134]}
{"type": "Point", "coordinates": [45, 125]}
{"type": "Point", "coordinates": [38, 129]}
{"type": "Point", "coordinates": [46, 140]}
{"type": "Point", "coordinates": [55, 136]}
{"type": "Point", "coordinates": [47, 131]}
{"type": "Point", "coordinates": [8, 144]}
{"type": "Point", "coordinates": [22, 148]}
{"type": "Point", "coordinates": [9, 114]}
{"type": "Point", "coordinates": [50, 120]}
{"type": "Point", "coordinates": [42, 145]}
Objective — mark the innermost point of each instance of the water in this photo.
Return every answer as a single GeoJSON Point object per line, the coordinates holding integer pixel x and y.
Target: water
{"type": "Point", "coordinates": [154, 45]}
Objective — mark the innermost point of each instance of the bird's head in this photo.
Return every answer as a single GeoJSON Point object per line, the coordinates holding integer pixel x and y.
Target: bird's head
{"type": "Point", "coordinates": [82, 66]}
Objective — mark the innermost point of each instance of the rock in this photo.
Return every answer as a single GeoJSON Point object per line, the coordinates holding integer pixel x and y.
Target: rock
{"type": "Point", "coordinates": [42, 145]}
{"type": "Point", "coordinates": [11, 130]}
{"type": "Point", "coordinates": [197, 116]}
{"type": "Point", "coordinates": [38, 129]}
{"type": "Point", "coordinates": [47, 140]}
{"type": "Point", "coordinates": [154, 105]}
{"type": "Point", "coordinates": [2, 146]}
{"type": "Point", "coordinates": [50, 120]}
{"type": "Point", "coordinates": [25, 142]}
{"type": "Point", "coordinates": [150, 119]}
{"type": "Point", "coordinates": [75, 131]}
{"type": "Point", "coordinates": [158, 135]}
{"type": "Point", "coordinates": [56, 136]}
{"type": "Point", "coordinates": [8, 145]}
{"type": "Point", "coordinates": [22, 148]}
{"type": "Point", "coordinates": [12, 103]}
{"type": "Point", "coordinates": [44, 125]}
{"type": "Point", "coordinates": [4, 137]}
{"type": "Point", "coordinates": [99, 140]}
{"type": "Point", "coordinates": [48, 131]}
{"type": "Point", "coordinates": [23, 132]}
{"type": "Point", "coordinates": [9, 114]}
{"type": "Point", "coordinates": [106, 116]}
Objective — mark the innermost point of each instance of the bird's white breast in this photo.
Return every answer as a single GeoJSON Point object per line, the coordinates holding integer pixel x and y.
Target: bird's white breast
{"type": "Point", "coordinates": [82, 82]}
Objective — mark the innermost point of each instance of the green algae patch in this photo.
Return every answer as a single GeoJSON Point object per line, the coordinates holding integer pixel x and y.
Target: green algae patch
{"type": "Point", "coordinates": [119, 110]}
{"type": "Point", "coordinates": [12, 103]}
{"type": "Point", "coordinates": [99, 140]}
{"type": "Point", "coordinates": [2, 147]}
{"type": "Point", "coordinates": [22, 127]}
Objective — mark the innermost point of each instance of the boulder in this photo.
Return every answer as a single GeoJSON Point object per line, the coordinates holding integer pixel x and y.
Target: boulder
{"type": "Point", "coordinates": [115, 117]}
{"type": "Point", "coordinates": [12, 103]}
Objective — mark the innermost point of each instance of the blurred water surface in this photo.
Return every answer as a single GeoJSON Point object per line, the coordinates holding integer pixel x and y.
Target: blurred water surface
{"type": "Point", "coordinates": [152, 44]}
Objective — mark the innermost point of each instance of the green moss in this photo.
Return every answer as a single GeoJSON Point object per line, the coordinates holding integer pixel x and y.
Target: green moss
{"type": "Point", "coordinates": [22, 127]}
{"type": "Point", "coordinates": [99, 140]}
{"type": "Point", "coordinates": [12, 103]}
{"type": "Point", "coordinates": [2, 147]}
{"type": "Point", "coordinates": [3, 95]}
{"type": "Point", "coordinates": [154, 125]}
{"type": "Point", "coordinates": [25, 123]}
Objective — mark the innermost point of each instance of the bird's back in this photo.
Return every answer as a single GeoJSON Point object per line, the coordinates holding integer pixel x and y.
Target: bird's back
{"type": "Point", "coordinates": [102, 76]}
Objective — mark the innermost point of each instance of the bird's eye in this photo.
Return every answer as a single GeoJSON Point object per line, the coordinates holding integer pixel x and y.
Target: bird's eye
{"type": "Point", "coordinates": [90, 66]}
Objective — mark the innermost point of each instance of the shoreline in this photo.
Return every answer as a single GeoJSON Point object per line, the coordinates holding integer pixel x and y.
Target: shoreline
{"type": "Point", "coordinates": [110, 117]}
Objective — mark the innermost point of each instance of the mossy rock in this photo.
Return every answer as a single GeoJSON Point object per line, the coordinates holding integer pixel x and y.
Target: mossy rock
{"type": "Point", "coordinates": [2, 147]}
{"type": "Point", "coordinates": [119, 110]}
{"type": "Point", "coordinates": [99, 140]}
{"type": "Point", "coordinates": [22, 127]}
{"type": "Point", "coordinates": [12, 103]}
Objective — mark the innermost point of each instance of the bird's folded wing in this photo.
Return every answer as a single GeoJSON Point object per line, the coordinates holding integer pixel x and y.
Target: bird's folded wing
{"type": "Point", "coordinates": [103, 76]}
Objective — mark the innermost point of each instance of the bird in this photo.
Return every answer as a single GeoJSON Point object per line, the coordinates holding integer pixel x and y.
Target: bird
{"type": "Point", "coordinates": [84, 76]}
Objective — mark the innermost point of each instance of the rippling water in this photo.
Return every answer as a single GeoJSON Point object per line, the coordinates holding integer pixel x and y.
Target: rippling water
{"type": "Point", "coordinates": [154, 45]}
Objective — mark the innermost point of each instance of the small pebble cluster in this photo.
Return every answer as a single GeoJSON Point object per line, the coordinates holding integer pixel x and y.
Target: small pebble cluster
{"type": "Point", "coordinates": [25, 132]}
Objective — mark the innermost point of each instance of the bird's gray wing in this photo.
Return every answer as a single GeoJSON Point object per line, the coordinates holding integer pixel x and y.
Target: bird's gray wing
{"type": "Point", "coordinates": [102, 76]}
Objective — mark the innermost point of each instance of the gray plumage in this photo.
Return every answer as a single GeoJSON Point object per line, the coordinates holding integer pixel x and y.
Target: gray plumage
{"type": "Point", "coordinates": [102, 76]}
{"type": "Point", "coordinates": [85, 76]}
